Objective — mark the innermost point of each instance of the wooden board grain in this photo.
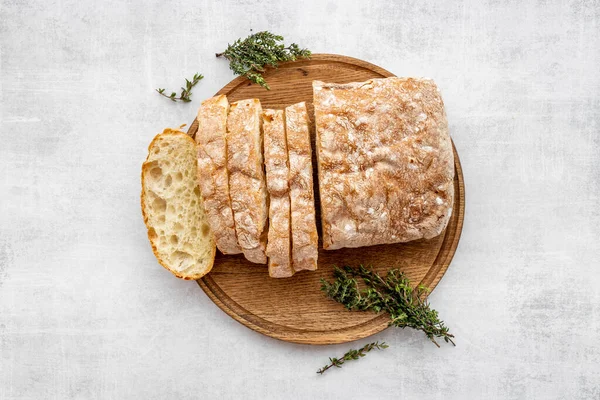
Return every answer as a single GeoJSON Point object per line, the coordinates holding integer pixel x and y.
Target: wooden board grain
{"type": "Point", "coordinates": [294, 309]}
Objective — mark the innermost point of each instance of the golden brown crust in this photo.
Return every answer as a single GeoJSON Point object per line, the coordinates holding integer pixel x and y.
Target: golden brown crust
{"type": "Point", "coordinates": [385, 161]}
{"type": "Point", "coordinates": [304, 229]}
{"type": "Point", "coordinates": [247, 179]}
{"type": "Point", "coordinates": [212, 171]}
{"type": "Point", "coordinates": [145, 169]}
{"type": "Point", "coordinates": [277, 172]}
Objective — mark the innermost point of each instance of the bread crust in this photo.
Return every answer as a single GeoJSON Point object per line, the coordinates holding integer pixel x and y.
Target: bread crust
{"type": "Point", "coordinates": [304, 229]}
{"type": "Point", "coordinates": [247, 186]}
{"type": "Point", "coordinates": [277, 173]}
{"type": "Point", "coordinates": [213, 175]}
{"type": "Point", "coordinates": [145, 170]}
{"type": "Point", "coordinates": [385, 161]}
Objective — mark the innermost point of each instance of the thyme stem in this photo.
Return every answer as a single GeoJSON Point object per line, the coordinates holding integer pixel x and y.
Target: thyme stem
{"type": "Point", "coordinates": [352, 355]}
{"type": "Point", "coordinates": [185, 92]}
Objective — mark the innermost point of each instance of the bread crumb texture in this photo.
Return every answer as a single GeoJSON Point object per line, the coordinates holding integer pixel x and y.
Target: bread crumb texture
{"type": "Point", "coordinates": [173, 208]}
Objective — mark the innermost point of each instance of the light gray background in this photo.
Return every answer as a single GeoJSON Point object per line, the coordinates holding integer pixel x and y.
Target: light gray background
{"type": "Point", "coordinates": [86, 311]}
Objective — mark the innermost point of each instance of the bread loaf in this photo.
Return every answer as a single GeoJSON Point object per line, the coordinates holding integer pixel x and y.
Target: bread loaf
{"type": "Point", "coordinates": [385, 161]}
{"type": "Point", "coordinates": [173, 208]}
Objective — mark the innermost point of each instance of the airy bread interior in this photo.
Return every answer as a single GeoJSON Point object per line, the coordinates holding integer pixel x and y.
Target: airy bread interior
{"type": "Point", "coordinates": [173, 208]}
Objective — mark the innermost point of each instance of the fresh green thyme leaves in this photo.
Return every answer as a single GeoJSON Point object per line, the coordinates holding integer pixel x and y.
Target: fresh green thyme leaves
{"type": "Point", "coordinates": [250, 56]}
{"type": "Point", "coordinates": [185, 92]}
{"type": "Point", "coordinates": [394, 295]}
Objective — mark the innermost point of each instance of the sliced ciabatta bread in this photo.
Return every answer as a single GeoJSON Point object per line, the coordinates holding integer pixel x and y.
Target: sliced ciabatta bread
{"type": "Point", "coordinates": [304, 228]}
{"type": "Point", "coordinates": [277, 171]}
{"type": "Point", "coordinates": [212, 171]}
{"type": "Point", "coordinates": [247, 186]}
{"type": "Point", "coordinates": [173, 208]}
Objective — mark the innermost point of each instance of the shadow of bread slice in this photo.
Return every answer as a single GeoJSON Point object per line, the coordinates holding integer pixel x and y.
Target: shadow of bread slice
{"type": "Point", "coordinates": [304, 228]}
{"type": "Point", "coordinates": [247, 186]}
{"type": "Point", "coordinates": [277, 171]}
{"type": "Point", "coordinates": [212, 171]}
{"type": "Point", "coordinates": [173, 208]}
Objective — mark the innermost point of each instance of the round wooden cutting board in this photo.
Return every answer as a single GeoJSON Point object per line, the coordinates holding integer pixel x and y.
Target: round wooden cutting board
{"type": "Point", "coordinates": [295, 309]}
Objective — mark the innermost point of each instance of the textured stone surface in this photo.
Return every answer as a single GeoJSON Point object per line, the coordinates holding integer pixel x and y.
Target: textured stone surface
{"type": "Point", "coordinates": [85, 310]}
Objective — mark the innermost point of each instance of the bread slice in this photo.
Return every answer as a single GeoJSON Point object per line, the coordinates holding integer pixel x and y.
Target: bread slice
{"type": "Point", "coordinates": [173, 208]}
{"type": "Point", "coordinates": [212, 172]}
{"type": "Point", "coordinates": [277, 171]}
{"type": "Point", "coordinates": [304, 228]}
{"type": "Point", "coordinates": [247, 186]}
{"type": "Point", "coordinates": [386, 166]}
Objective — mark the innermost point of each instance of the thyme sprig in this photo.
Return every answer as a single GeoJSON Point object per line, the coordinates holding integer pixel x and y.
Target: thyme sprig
{"type": "Point", "coordinates": [185, 92]}
{"type": "Point", "coordinates": [353, 355]}
{"type": "Point", "coordinates": [250, 56]}
{"type": "Point", "coordinates": [406, 306]}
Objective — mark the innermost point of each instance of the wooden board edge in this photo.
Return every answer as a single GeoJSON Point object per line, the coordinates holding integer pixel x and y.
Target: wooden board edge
{"type": "Point", "coordinates": [451, 239]}
{"type": "Point", "coordinates": [285, 333]}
